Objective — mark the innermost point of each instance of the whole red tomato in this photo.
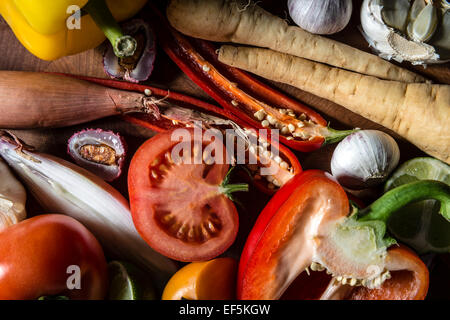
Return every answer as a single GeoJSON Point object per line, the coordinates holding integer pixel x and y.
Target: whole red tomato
{"type": "Point", "coordinates": [38, 257]}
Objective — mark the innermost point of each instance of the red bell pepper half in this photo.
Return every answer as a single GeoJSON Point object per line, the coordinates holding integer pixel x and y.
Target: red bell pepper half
{"type": "Point", "coordinates": [307, 227]}
{"type": "Point", "coordinates": [249, 99]}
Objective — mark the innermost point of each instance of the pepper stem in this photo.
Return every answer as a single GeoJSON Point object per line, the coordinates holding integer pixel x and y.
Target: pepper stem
{"type": "Point", "coordinates": [123, 45]}
{"type": "Point", "coordinates": [397, 198]}
{"type": "Point", "coordinates": [335, 136]}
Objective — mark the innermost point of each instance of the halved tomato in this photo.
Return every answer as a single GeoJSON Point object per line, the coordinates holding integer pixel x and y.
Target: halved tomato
{"type": "Point", "coordinates": [178, 202]}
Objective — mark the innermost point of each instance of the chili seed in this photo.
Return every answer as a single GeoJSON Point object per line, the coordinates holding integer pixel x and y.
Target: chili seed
{"type": "Point", "coordinates": [291, 127]}
{"type": "Point", "coordinates": [260, 114]}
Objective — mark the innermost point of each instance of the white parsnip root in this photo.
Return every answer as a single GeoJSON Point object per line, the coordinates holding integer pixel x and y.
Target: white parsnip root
{"type": "Point", "coordinates": [242, 22]}
{"type": "Point", "coordinates": [419, 112]}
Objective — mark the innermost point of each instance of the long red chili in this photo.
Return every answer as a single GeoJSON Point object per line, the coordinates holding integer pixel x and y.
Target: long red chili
{"type": "Point", "coordinates": [242, 94]}
{"type": "Point", "coordinates": [182, 100]}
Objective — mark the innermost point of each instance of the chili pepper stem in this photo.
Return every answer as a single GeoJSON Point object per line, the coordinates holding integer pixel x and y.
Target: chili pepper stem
{"type": "Point", "coordinates": [334, 136]}
{"type": "Point", "coordinates": [124, 45]}
{"type": "Point", "coordinates": [397, 198]}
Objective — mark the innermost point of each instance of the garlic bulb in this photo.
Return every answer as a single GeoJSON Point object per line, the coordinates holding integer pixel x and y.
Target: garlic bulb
{"type": "Point", "coordinates": [321, 17]}
{"type": "Point", "coordinates": [364, 159]}
{"type": "Point", "coordinates": [12, 198]}
{"type": "Point", "coordinates": [413, 30]}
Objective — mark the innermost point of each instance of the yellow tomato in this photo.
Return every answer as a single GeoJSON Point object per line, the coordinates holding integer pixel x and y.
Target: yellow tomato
{"type": "Point", "coordinates": [210, 280]}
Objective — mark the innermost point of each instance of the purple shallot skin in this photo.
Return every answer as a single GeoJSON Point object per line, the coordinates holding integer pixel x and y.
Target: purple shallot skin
{"type": "Point", "coordinates": [101, 152]}
{"type": "Point", "coordinates": [127, 68]}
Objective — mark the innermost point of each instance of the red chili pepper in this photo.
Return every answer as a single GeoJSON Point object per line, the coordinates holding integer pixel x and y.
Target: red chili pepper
{"type": "Point", "coordinates": [249, 99]}
{"type": "Point", "coordinates": [308, 225]}
{"type": "Point", "coordinates": [189, 103]}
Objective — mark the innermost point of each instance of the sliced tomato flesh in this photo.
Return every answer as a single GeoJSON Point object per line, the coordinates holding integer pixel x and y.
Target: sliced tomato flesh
{"type": "Point", "coordinates": [177, 202]}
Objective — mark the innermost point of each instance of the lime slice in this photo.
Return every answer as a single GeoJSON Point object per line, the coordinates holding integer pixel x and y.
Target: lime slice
{"type": "Point", "coordinates": [419, 224]}
{"type": "Point", "coordinates": [126, 282]}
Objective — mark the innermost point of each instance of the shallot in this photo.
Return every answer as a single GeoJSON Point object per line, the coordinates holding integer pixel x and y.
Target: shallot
{"type": "Point", "coordinates": [37, 100]}
{"type": "Point", "coordinates": [101, 152]}
{"type": "Point", "coordinates": [139, 66]}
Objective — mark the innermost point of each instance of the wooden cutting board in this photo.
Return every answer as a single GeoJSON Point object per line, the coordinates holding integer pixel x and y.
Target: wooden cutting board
{"type": "Point", "coordinates": [167, 75]}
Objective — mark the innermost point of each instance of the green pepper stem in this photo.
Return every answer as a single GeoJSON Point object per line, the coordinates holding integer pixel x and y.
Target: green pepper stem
{"type": "Point", "coordinates": [397, 198]}
{"type": "Point", "coordinates": [123, 45]}
{"type": "Point", "coordinates": [335, 136]}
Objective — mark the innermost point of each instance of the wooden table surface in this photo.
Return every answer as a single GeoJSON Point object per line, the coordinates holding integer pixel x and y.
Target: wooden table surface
{"type": "Point", "coordinates": [167, 75]}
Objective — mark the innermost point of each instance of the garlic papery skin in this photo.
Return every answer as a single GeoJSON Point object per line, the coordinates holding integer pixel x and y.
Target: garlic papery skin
{"type": "Point", "coordinates": [12, 198]}
{"type": "Point", "coordinates": [321, 17]}
{"type": "Point", "coordinates": [64, 188]}
{"type": "Point", "coordinates": [390, 43]}
{"type": "Point", "coordinates": [364, 159]}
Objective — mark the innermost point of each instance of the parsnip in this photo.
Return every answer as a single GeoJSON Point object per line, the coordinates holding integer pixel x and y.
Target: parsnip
{"type": "Point", "coordinates": [243, 22]}
{"type": "Point", "coordinates": [419, 112]}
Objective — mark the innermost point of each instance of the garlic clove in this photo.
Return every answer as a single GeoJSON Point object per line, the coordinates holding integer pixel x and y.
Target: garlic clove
{"type": "Point", "coordinates": [395, 13]}
{"type": "Point", "coordinates": [416, 8]}
{"type": "Point", "coordinates": [425, 24]}
{"type": "Point", "coordinates": [374, 30]}
{"type": "Point", "coordinates": [415, 52]}
{"type": "Point", "coordinates": [390, 43]}
{"type": "Point", "coordinates": [441, 40]}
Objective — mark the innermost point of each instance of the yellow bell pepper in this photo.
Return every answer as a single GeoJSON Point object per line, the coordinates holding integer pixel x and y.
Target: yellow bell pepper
{"type": "Point", "coordinates": [41, 25]}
